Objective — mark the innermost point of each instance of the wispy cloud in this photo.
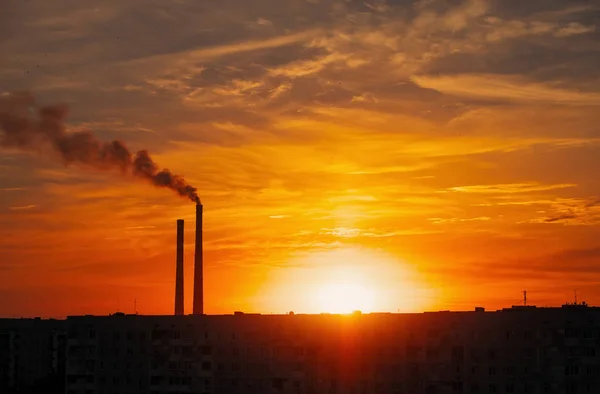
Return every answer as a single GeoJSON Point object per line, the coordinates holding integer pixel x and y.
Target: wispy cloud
{"type": "Point", "coordinates": [206, 54]}
{"type": "Point", "coordinates": [509, 188]}
{"type": "Point", "coordinates": [23, 207]}
{"type": "Point", "coordinates": [505, 88]}
{"type": "Point", "coordinates": [459, 220]}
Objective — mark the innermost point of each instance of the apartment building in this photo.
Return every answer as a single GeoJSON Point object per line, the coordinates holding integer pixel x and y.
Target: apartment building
{"type": "Point", "coordinates": [515, 350]}
{"type": "Point", "coordinates": [32, 355]}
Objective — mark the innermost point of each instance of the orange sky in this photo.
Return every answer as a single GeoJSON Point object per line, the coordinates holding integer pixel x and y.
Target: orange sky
{"type": "Point", "coordinates": [424, 154]}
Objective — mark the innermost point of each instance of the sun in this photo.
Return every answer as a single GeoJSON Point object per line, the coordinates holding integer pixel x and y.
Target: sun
{"type": "Point", "coordinates": [344, 298]}
{"type": "Point", "coordinates": [345, 279]}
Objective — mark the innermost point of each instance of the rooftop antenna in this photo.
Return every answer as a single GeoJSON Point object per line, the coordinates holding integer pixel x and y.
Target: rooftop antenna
{"type": "Point", "coordinates": [525, 297]}
{"type": "Point", "coordinates": [135, 306]}
{"type": "Point", "coordinates": [575, 296]}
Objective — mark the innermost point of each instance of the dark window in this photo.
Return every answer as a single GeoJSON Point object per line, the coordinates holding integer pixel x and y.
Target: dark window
{"type": "Point", "coordinates": [206, 350]}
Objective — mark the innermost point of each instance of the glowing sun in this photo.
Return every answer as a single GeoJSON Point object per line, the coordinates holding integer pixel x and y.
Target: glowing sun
{"type": "Point", "coordinates": [347, 279]}
{"type": "Point", "coordinates": [344, 298]}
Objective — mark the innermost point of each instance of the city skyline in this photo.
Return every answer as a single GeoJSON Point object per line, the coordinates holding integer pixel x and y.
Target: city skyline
{"type": "Point", "coordinates": [381, 156]}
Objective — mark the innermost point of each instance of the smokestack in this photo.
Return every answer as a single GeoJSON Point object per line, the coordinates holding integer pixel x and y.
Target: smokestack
{"type": "Point", "coordinates": [179, 270]}
{"type": "Point", "coordinates": [198, 265]}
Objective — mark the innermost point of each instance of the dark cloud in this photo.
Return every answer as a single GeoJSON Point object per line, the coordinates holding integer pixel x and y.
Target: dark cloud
{"type": "Point", "coordinates": [558, 8]}
{"type": "Point", "coordinates": [593, 203]}
{"type": "Point", "coordinates": [561, 218]}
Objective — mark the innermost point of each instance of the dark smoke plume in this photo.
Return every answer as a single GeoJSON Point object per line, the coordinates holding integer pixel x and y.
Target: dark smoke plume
{"type": "Point", "coordinates": [21, 129]}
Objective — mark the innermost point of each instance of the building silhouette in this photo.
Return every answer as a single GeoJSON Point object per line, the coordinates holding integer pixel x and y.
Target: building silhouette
{"type": "Point", "coordinates": [514, 350]}
{"type": "Point", "coordinates": [32, 355]}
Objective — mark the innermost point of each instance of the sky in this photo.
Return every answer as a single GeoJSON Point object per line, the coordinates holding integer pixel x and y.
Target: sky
{"type": "Point", "coordinates": [383, 155]}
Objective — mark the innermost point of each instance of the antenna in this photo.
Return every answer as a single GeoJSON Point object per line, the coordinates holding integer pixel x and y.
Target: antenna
{"type": "Point", "coordinates": [135, 306]}
{"type": "Point", "coordinates": [525, 297]}
{"type": "Point", "coordinates": [575, 296]}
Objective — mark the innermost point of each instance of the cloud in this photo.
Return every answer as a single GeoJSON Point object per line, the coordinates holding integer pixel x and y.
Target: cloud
{"type": "Point", "coordinates": [459, 220]}
{"type": "Point", "coordinates": [593, 203]}
{"type": "Point", "coordinates": [561, 218]}
{"type": "Point", "coordinates": [23, 208]}
{"type": "Point", "coordinates": [575, 213]}
{"type": "Point", "coordinates": [574, 28]}
{"type": "Point", "coordinates": [205, 54]}
{"type": "Point", "coordinates": [509, 188]}
{"type": "Point", "coordinates": [494, 87]}
{"type": "Point", "coordinates": [503, 30]}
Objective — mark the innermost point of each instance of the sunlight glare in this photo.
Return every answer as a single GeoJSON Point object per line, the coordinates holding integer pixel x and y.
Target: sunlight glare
{"type": "Point", "coordinates": [345, 298]}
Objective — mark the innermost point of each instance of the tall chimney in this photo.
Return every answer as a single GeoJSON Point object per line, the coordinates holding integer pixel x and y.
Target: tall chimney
{"type": "Point", "coordinates": [179, 270]}
{"type": "Point", "coordinates": [198, 266]}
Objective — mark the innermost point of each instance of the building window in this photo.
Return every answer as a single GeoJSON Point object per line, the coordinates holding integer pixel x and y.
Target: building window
{"type": "Point", "coordinates": [571, 370]}
{"type": "Point", "coordinates": [206, 350]}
